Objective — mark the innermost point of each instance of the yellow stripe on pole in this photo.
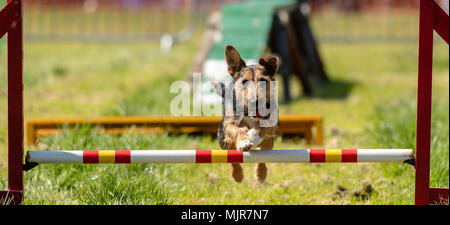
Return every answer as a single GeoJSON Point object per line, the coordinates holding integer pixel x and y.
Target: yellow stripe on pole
{"type": "Point", "coordinates": [333, 155]}
{"type": "Point", "coordinates": [106, 156]}
{"type": "Point", "coordinates": [219, 156]}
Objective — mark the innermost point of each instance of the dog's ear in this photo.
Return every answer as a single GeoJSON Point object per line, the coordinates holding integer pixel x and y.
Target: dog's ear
{"type": "Point", "coordinates": [234, 61]}
{"type": "Point", "coordinates": [270, 64]}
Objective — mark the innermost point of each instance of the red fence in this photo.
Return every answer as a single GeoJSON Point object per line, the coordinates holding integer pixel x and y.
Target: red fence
{"type": "Point", "coordinates": [350, 21]}
{"type": "Point", "coordinates": [362, 21]}
{"type": "Point", "coordinates": [113, 20]}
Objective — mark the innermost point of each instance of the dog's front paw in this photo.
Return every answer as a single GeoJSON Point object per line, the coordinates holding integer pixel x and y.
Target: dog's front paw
{"type": "Point", "coordinates": [244, 146]}
{"type": "Point", "coordinates": [254, 137]}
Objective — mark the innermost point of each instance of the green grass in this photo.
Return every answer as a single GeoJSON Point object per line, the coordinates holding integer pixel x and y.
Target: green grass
{"type": "Point", "coordinates": [369, 104]}
{"type": "Point", "coordinates": [105, 185]}
{"type": "Point", "coordinates": [396, 127]}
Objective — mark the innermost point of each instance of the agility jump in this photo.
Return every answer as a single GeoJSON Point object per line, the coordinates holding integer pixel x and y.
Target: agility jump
{"type": "Point", "coordinates": [222, 156]}
{"type": "Point", "coordinates": [432, 17]}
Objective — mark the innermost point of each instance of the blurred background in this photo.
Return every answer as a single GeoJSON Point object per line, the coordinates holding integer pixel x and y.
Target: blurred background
{"type": "Point", "coordinates": [88, 58]}
{"type": "Point", "coordinates": [148, 20]}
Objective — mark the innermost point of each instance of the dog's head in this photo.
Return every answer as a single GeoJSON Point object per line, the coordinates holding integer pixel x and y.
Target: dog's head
{"type": "Point", "coordinates": [251, 84]}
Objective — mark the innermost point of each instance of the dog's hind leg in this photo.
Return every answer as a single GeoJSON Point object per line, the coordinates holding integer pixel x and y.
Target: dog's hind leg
{"type": "Point", "coordinates": [236, 172]}
{"type": "Point", "coordinates": [261, 169]}
{"type": "Point", "coordinates": [261, 172]}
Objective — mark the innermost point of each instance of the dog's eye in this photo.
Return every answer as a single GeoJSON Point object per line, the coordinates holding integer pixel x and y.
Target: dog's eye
{"type": "Point", "coordinates": [244, 82]}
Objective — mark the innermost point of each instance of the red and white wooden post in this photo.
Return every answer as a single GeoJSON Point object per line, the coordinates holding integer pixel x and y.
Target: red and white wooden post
{"type": "Point", "coordinates": [11, 24]}
{"type": "Point", "coordinates": [432, 17]}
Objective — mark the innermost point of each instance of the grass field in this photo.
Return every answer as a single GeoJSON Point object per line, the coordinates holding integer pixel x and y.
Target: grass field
{"type": "Point", "coordinates": [369, 104]}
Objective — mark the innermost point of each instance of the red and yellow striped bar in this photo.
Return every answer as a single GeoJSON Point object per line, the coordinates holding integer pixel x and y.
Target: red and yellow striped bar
{"type": "Point", "coordinates": [123, 156]}
{"type": "Point", "coordinates": [349, 155]}
{"type": "Point", "coordinates": [222, 156]}
{"type": "Point", "coordinates": [333, 155]}
{"type": "Point", "coordinates": [219, 156]}
{"type": "Point", "coordinates": [317, 155]}
{"type": "Point", "coordinates": [203, 156]}
{"type": "Point", "coordinates": [90, 157]}
{"type": "Point", "coordinates": [106, 156]}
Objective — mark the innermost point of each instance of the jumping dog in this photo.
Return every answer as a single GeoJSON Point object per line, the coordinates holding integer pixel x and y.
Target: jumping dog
{"type": "Point", "coordinates": [250, 112]}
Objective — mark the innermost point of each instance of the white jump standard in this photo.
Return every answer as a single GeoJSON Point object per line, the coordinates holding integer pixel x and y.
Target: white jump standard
{"type": "Point", "coordinates": [33, 158]}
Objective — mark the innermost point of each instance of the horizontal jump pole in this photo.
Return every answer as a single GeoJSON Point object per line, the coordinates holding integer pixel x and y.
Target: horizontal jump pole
{"type": "Point", "coordinates": [221, 156]}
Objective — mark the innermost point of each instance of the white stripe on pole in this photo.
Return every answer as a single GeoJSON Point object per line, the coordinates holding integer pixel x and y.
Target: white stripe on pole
{"type": "Point", "coordinates": [384, 155]}
{"type": "Point", "coordinates": [55, 156]}
{"type": "Point", "coordinates": [277, 156]}
{"type": "Point", "coordinates": [163, 156]}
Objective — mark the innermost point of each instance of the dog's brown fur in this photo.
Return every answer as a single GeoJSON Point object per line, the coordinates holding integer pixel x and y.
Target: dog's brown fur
{"type": "Point", "coordinates": [234, 131]}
